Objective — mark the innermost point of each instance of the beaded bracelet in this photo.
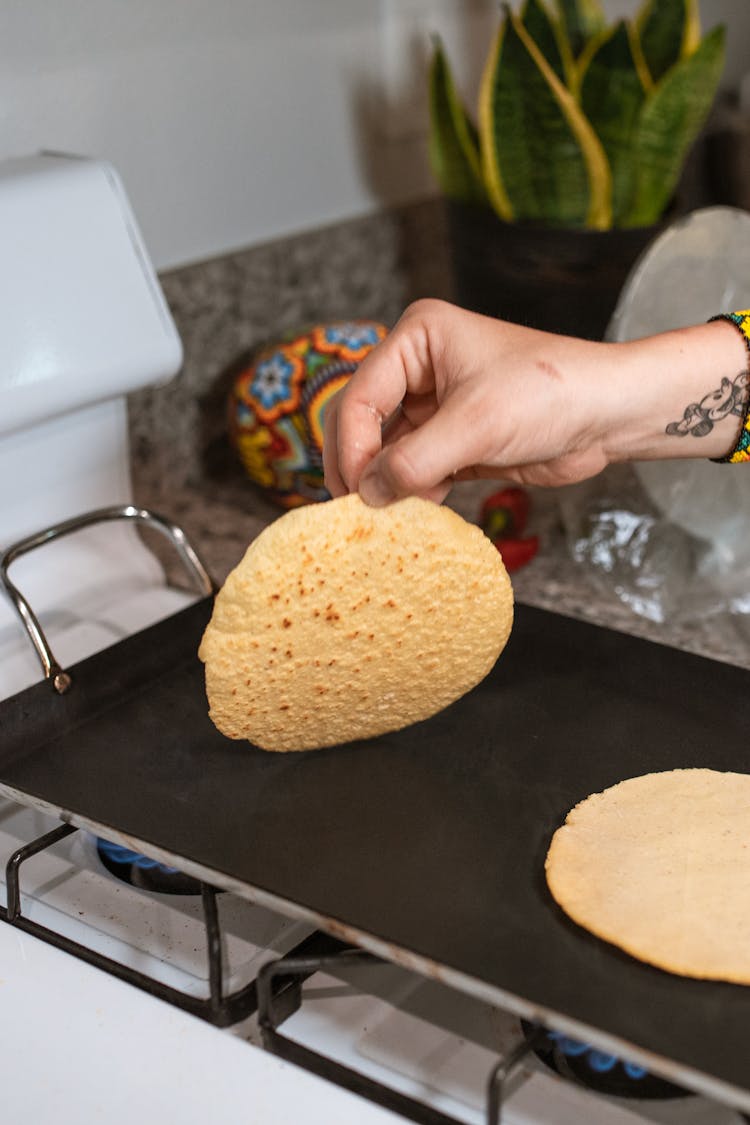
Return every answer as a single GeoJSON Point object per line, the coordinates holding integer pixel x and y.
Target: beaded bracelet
{"type": "Point", "coordinates": [741, 451]}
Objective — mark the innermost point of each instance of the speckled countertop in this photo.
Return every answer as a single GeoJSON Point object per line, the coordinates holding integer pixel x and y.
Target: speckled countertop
{"type": "Point", "coordinates": [371, 267]}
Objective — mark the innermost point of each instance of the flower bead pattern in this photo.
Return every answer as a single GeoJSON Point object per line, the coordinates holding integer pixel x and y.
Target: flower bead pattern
{"type": "Point", "coordinates": [349, 340]}
{"type": "Point", "coordinates": [275, 384]}
{"type": "Point", "coordinates": [278, 400]}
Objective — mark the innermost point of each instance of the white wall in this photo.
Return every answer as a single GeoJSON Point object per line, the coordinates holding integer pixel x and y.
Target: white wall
{"type": "Point", "coordinates": [229, 120]}
{"type": "Point", "coordinates": [235, 121]}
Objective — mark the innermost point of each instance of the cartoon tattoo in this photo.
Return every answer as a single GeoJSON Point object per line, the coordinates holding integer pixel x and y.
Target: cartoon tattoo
{"type": "Point", "coordinates": [699, 417]}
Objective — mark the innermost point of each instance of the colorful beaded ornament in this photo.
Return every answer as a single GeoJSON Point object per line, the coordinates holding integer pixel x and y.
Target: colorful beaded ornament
{"type": "Point", "coordinates": [741, 451]}
{"type": "Point", "coordinates": [277, 403]}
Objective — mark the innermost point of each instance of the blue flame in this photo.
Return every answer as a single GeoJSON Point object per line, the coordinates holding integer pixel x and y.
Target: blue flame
{"type": "Point", "coordinates": [570, 1047]}
{"type": "Point", "coordinates": [119, 854]}
{"type": "Point", "coordinates": [599, 1061]}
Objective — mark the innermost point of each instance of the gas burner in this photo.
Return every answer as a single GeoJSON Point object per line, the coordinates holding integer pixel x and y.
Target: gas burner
{"type": "Point", "coordinates": [147, 874]}
{"type": "Point", "coordinates": [599, 1071]}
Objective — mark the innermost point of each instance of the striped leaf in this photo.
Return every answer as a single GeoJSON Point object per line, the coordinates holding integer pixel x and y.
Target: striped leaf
{"type": "Point", "coordinates": [671, 119]}
{"type": "Point", "coordinates": [612, 96]}
{"type": "Point", "coordinates": [669, 30]}
{"type": "Point", "coordinates": [453, 139]}
{"type": "Point", "coordinates": [542, 29]}
{"type": "Point", "coordinates": [581, 19]}
{"type": "Point", "coordinates": [542, 160]}
{"type": "Point", "coordinates": [639, 59]}
{"type": "Point", "coordinates": [490, 128]}
{"type": "Point", "coordinates": [691, 35]}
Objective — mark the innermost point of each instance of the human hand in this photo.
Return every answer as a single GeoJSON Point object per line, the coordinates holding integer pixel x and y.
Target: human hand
{"type": "Point", "coordinates": [451, 395]}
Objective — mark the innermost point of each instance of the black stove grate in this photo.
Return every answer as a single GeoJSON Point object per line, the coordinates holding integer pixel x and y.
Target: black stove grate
{"type": "Point", "coordinates": [219, 1009]}
{"type": "Point", "coordinates": [276, 994]}
{"type": "Point", "coordinates": [293, 969]}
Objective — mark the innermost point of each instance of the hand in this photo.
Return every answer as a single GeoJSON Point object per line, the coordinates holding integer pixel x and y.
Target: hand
{"type": "Point", "coordinates": [451, 395]}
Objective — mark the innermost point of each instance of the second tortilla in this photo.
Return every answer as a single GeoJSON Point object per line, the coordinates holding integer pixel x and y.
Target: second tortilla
{"type": "Point", "coordinates": [659, 865]}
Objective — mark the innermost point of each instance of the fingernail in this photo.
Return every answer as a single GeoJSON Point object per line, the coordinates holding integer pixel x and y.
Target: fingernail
{"type": "Point", "coordinates": [375, 491]}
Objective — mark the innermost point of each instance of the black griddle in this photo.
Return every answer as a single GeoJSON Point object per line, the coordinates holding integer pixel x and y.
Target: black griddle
{"type": "Point", "coordinates": [431, 840]}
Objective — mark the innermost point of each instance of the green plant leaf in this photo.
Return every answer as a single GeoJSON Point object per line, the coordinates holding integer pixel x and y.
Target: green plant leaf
{"type": "Point", "coordinates": [542, 160]}
{"type": "Point", "coordinates": [581, 19]}
{"type": "Point", "coordinates": [668, 31]}
{"type": "Point", "coordinates": [488, 131]}
{"type": "Point", "coordinates": [671, 119]}
{"type": "Point", "coordinates": [453, 139]}
{"type": "Point", "coordinates": [635, 45]}
{"type": "Point", "coordinates": [581, 64]}
{"type": "Point", "coordinates": [612, 96]}
{"type": "Point", "coordinates": [691, 36]}
{"type": "Point", "coordinates": [538, 22]}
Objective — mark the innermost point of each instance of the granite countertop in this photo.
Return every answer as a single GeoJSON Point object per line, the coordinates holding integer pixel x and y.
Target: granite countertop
{"type": "Point", "coordinates": [371, 267]}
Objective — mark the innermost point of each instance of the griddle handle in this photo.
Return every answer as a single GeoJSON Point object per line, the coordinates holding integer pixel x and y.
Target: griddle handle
{"type": "Point", "coordinates": [57, 676]}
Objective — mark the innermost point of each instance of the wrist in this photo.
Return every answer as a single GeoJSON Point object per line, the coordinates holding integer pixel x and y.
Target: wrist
{"type": "Point", "coordinates": [679, 394]}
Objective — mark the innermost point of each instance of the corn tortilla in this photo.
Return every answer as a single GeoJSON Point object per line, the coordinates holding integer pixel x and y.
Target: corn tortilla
{"type": "Point", "coordinates": [659, 865]}
{"type": "Point", "coordinates": [343, 622]}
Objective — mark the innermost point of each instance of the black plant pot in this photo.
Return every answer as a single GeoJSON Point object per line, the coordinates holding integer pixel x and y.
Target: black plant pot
{"type": "Point", "coordinates": [556, 278]}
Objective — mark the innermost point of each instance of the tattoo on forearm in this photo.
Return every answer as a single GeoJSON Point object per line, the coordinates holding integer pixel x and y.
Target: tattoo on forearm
{"type": "Point", "coordinates": [699, 418]}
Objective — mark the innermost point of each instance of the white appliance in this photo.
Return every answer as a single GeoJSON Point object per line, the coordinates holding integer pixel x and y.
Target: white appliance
{"type": "Point", "coordinates": [84, 322]}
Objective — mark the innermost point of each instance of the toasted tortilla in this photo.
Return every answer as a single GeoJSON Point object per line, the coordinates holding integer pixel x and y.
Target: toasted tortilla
{"type": "Point", "coordinates": [343, 622]}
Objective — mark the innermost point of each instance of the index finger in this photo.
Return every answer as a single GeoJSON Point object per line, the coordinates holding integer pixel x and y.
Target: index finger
{"type": "Point", "coordinates": [374, 392]}
{"type": "Point", "coordinates": [402, 364]}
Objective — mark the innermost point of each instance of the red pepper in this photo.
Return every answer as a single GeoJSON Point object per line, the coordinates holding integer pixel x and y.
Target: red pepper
{"type": "Point", "coordinates": [515, 553]}
{"type": "Point", "coordinates": [505, 512]}
{"type": "Point", "coordinates": [503, 517]}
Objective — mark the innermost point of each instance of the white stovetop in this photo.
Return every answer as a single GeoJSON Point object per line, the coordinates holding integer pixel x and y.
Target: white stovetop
{"type": "Point", "coordinates": [82, 1047]}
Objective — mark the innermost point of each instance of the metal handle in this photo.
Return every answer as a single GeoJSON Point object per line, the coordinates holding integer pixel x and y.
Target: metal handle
{"type": "Point", "coordinates": [53, 672]}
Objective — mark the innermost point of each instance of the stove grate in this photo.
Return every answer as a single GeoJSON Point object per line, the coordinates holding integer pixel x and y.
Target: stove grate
{"type": "Point", "coordinates": [293, 969]}
{"type": "Point", "coordinates": [217, 1008]}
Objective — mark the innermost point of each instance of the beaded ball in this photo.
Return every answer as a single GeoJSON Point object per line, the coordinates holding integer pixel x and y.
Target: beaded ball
{"type": "Point", "coordinates": [277, 403]}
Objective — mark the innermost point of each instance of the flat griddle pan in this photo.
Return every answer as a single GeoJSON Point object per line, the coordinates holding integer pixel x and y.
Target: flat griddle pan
{"type": "Point", "coordinates": [432, 839]}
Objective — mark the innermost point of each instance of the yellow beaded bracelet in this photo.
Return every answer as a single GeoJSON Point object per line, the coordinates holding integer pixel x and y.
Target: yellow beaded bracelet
{"type": "Point", "coordinates": [741, 451]}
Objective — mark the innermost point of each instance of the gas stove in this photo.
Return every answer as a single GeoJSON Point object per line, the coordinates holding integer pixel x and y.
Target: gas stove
{"type": "Point", "coordinates": [419, 1039]}
{"type": "Point", "coordinates": [108, 954]}
{"type": "Point", "coordinates": [409, 1037]}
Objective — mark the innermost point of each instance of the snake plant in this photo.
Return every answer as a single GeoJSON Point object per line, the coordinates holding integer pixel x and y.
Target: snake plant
{"type": "Point", "coordinates": [581, 122]}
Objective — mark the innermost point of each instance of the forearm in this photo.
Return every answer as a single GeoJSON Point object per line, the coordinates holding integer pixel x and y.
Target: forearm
{"type": "Point", "coordinates": [679, 394]}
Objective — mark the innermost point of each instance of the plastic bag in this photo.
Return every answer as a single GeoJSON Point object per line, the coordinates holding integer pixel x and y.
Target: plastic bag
{"type": "Point", "coordinates": [672, 539]}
